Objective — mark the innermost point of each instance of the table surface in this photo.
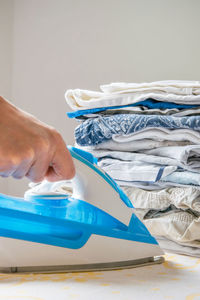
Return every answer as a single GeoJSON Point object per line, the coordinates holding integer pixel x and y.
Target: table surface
{"type": "Point", "coordinates": [177, 278]}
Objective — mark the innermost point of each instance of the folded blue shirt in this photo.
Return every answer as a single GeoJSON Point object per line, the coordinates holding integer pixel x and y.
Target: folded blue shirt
{"type": "Point", "coordinates": [149, 103]}
{"type": "Point", "coordinates": [97, 130]}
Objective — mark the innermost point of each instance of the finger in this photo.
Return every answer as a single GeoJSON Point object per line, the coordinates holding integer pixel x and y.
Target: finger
{"type": "Point", "coordinates": [38, 169]}
{"type": "Point", "coordinates": [52, 176]}
{"type": "Point", "coordinates": [22, 169]}
{"type": "Point", "coordinates": [7, 169]}
{"type": "Point", "coordinates": [62, 166]}
{"type": "Point", "coordinates": [6, 173]}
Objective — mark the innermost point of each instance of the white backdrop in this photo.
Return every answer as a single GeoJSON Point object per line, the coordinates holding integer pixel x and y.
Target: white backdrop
{"type": "Point", "coordinates": [6, 48]}
{"type": "Point", "coordinates": [60, 44]}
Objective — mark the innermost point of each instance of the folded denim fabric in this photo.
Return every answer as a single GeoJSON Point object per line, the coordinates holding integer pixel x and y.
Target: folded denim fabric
{"type": "Point", "coordinates": [101, 129]}
{"type": "Point", "coordinates": [183, 198]}
{"type": "Point", "coordinates": [148, 104]}
{"type": "Point", "coordinates": [184, 92]}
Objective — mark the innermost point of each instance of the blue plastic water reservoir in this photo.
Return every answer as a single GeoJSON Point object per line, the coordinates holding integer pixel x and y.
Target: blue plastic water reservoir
{"type": "Point", "coordinates": [22, 216]}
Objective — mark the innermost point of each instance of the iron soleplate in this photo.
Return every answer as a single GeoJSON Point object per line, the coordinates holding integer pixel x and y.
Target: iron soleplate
{"type": "Point", "coordinates": [86, 267]}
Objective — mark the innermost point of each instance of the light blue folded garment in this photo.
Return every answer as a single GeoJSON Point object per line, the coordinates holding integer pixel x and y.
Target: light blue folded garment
{"type": "Point", "coordinates": [178, 178]}
{"type": "Point", "coordinates": [184, 157]}
{"type": "Point", "coordinates": [101, 129]}
{"type": "Point", "coordinates": [131, 171]}
{"type": "Point", "coordinates": [183, 177]}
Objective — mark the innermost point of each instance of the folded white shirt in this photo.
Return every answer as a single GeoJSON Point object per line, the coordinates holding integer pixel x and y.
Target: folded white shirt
{"type": "Point", "coordinates": [143, 144]}
{"type": "Point", "coordinates": [186, 157]}
{"type": "Point", "coordinates": [119, 94]}
{"type": "Point", "coordinates": [184, 198]}
{"type": "Point", "coordinates": [179, 226]}
{"type": "Point", "coordinates": [181, 87]}
{"type": "Point", "coordinates": [173, 247]}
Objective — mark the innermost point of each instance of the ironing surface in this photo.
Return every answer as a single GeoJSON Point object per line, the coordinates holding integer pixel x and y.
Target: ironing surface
{"type": "Point", "coordinates": [177, 278]}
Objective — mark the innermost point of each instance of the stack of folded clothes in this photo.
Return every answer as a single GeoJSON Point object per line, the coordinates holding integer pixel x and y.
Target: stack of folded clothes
{"type": "Point", "coordinates": [147, 137]}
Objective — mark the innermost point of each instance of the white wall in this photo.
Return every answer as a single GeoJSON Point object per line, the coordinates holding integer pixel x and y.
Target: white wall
{"type": "Point", "coordinates": [6, 40]}
{"type": "Point", "coordinates": [6, 43]}
{"type": "Point", "coordinates": [60, 44]}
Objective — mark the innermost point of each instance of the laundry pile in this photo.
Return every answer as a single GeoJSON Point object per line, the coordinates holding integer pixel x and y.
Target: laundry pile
{"type": "Point", "coordinates": [147, 137]}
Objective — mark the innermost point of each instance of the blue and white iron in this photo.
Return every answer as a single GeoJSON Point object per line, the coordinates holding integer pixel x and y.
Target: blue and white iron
{"type": "Point", "coordinates": [95, 228]}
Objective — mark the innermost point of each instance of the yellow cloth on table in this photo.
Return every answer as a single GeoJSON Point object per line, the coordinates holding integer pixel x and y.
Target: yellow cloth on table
{"type": "Point", "coordinates": [177, 278]}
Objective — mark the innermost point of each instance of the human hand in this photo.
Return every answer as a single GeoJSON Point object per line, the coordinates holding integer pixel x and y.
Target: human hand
{"type": "Point", "coordinates": [31, 148]}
